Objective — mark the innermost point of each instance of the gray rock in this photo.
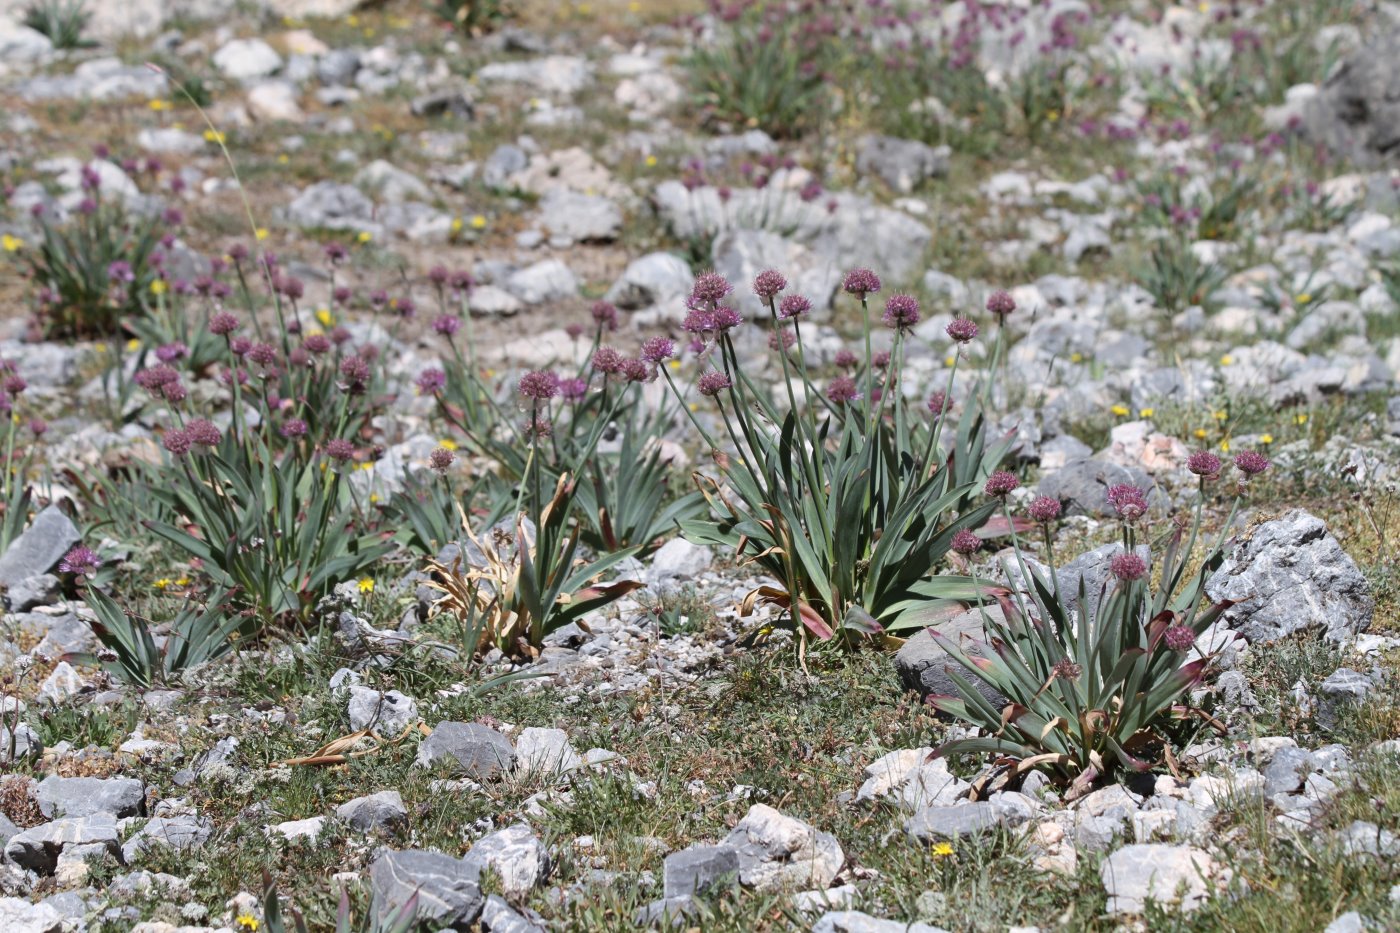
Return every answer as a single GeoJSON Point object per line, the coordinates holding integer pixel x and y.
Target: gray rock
{"type": "Point", "coordinates": [39, 548]}
{"type": "Point", "coordinates": [455, 102]}
{"type": "Point", "coordinates": [338, 66]}
{"type": "Point", "coordinates": [699, 869]}
{"type": "Point", "coordinates": [1349, 922]}
{"type": "Point", "coordinates": [924, 666]}
{"type": "Point", "coordinates": [1288, 575]}
{"type": "Point", "coordinates": [381, 812]}
{"type": "Point", "coordinates": [778, 852]}
{"type": "Point", "coordinates": [1365, 838]}
{"type": "Point", "coordinates": [515, 856]}
{"type": "Point", "coordinates": [63, 682]}
{"type": "Point", "coordinates": [292, 830]}
{"type": "Point", "coordinates": [740, 255]}
{"type": "Point", "coordinates": [39, 847]}
{"type": "Point", "coordinates": [504, 162]}
{"type": "Point", "coordinates": [245, 59]}
{"type": "Point", "coordinates": [387, 713]}
{"type": "Point", "coordinates": [654, 279]}
{"type": "Point", "coordinates": [179, 832]}
{"type": "Point", "coordinates": [1357, 112]}
{"type": "Point", "coordinates": [329, 205]}
{"type": "Point", "coordinates": [667, 912]}
{"type": "Point", "coordinates": [964, 819]}
{"type": "Point", "coordinates": [26, 740]}
{"type": "Point", "coordinates": [1286, 771]}
{"type": "Point", "coordinates": [20, 916]}
{"type": "Point", "coordinates": [1347, 686]}
{"type": "Point", "coordinates": [678, 559]}
{"type": "Point", "coordinates": [85, 796]}
{"type": "Point", "coordinates": [545, 751]}
{"type": "Point", "coordinates": [392, 184]}
{"type": "Point", "coordinates": [903, 164]}
{"type": "Point", "coordinates": [548, 280]}
{"type": "Point", "coordinates": [853, 921]}
{"type": "Point", "coordinates": [499, 917]}
{"type": "Point", "coordinates": [1082, 485]}
{"type": "Point", "coordinates": [1168, 875]}
{"type": "Point", "coordinates": [563, 75]}
{"type": "Point", "coordinates": [472, 749]}
{"type": "Point", "coordinates": [39, 590]}
{"type": "Point", "coordinates": [448, 889]}
{"type": "Point", "coordinates": [581, 217]}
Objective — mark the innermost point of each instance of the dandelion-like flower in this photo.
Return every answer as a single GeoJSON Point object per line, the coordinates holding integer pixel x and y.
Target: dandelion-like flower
{"type": "Point", "coordinates": [1179, 638]}
{"type": "Point", "coordinates": [966, 542]}
{"type": "Point", "coordinates": [540, 385]}
{"type": "Point", "coordinates": [1044, 509]}
{"type": "Point", "coordinates": [658, 349]}
{"type": "Point", "coordinates": [713, 383]}
{"type": "Point", "coordinates": [1000, 484]}
{"type": "Point", "coordinates": [81, 561]}
{"type": "Point", "coordinates": [1128, 567]}
{"type": "Point", "coordinates": [1251, 462]}
{"type": "Point", "coordinates": [768, 283]}
{"type": "Point", "coordinates": [861, 282]}
{"type": "Point", "coordinates": [1001, 304]}
{"type": "Point", "coordinates": [901, 312]}
{"type": "Point", "coordinates": [793, 306]}
{"type": "Point", "coordinates": [1128, 501]}
{"type": "Point", "coordinates": [440, 460]}
{"type": "Point", "coordinates": [1203, 463]}
{"type": "Point", "coordinates": [962, 329]}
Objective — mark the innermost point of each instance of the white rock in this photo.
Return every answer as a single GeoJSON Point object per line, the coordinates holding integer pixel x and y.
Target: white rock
{"type": "Point", "coordinates": [245, 59]}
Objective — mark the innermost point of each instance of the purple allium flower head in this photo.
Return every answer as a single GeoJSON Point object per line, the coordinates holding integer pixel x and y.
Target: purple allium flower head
{"type": "Point", "coordinates": [841, 390]}
{"type": "Point", "coordinates": [710, 288]}
{"type": "Point", "coordinates": [782, 340]}
{"type": "Point", "coordinates": [726, 318]}
{"type": "Point", "coordinates": [713, 383]}
{"type": "Point", "coordinates": [461, 281]}
{"type": "Point", "coordinates": [294, 427]}
{"type": "Point", "coordinates": [203, 433]}
{"type": "Point", "coordinates": [152, 379]}
{"type": "Point", "coordinates": [264, 354]}
{"type": "Point", "coordinates": [698, 321]}
{"type": "Point", "coordinates": [291, 286]}
{"type": "Point", "coordinates": [223, 324]}
{"type": "Point", "coordinates": [239, 346]}
{"type": "Point", "coordinates": [298, 358]}
{"type": "Point", "coordinates": [405, 307]}
{"type": "Point", "coordinates": [317, 344]}
{"type": "Point", "coordinates": [378, 298]}
{"type": "Point", "coordinates": [1044, 509]}
{"type": "Point", "coordinates": [81, 561]}
{"type": "Point", "coordinates": [1001, 303]}
{"type": "Point", "coordinates": [1065, 669]}
{"type": "Point", "coordinates": [1001, 483]}
{"type": "Point", "coordinates": [14, 384]}
{"type": "Point", "coordinates": [538, 428]}
{"type": "Point", "coordinates": [901, 312]}
{"type": "Point", "coordinates": [573, 389]}
{"type": "Point", "coordinates": [939, 403]}
{"type": "Point", "coordinates": [1203, 463]}
{"type": "Point", "coordinates": [540, 385]}
{"type": "Point", "coordinates": [355, 371]}
{"type": "Point", "coordinates": [966, 542]}
{"type": "Point", "coordinates": [962, 329]}
{"type": "Point", "coordinates": [793, 306]}
{"type": "Point", "coordinates": [174, 392]}
{"type": "Point", "coordinates": [120, 271]}
{"type": "Point", "coordinates": [238, 252]}
{"type": "Point", "coordinates": [1128, 567]}
{"type": "Point", "coordinates": [658, 349]}
{"type": "Point", "coordinates": [881, 359]}
{"type": "Point", "coordinates": [1128, 501]}
{"type": "Point", "coordinates": [340, 449]}
{"type": "Point", "coordinates": [339, 335]}
{"type": "Point", "coordinates": [177, 442]}
{"type": "Point", "coordinates": [431, 381]}
{"type": "Point", "coordinates": [606, 360]}
{"type": "Point", "coordinates": [635, 370]}
{"type": "Point", "coordinates": [336, 253]}
{"type": "Point", "coordinates": [861, 282]}
{"type": "Point", "coordinates": [1251, 462]}
{"type": "Point", "coordinates": [438, 275]}
{"type": "Point", "coordinates": [440, 460]}
{"type": "Point", "coordinates": [846, 359]}
{"type": "Point", "coordinates": [172, 217]}
{"type": "Point", "coordinates": [170, 352]}
{"type": "Point", "coordinates": [768, 283]}
{"type": "Point", "coordinates": [1179, 638]}
{"type": "Point", "coordinates": [447, 324]}
{"type": "Point", "coordinates": [604, 315]}
{"type": "Point", "coordinates": [38, 426]}
{"type": "Point", "coordinates": [341, 294]}
{"type": "Point", "coordinates": [574, 330]}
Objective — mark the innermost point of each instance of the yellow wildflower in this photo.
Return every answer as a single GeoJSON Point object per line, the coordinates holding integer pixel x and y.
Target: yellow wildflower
{"type": "Point", "coordinates": [634, 7]}
{"type": "Point", "coordinates": [1120, 410]}
{"type": "Point", "coordinates": [1146, 412]}
{"type": "Point", "coordinates": [942, 849]}
{"type": "Point", "coordinates": [1300, 419]}
{"type": "Point", "coordinates": [1076, 357]}
{"type": "Point", "coordinates": [183, 581]}
{"type": "Point", "coordinates": [365, 236]}
{"type": "Point", "coordinates": [949, 360]}
{"type": "Point", "coordinates": [1226, 360]}
{"type": "Point", "coordinates": [1266, 438]}
{"type": "Point", "coordinates": [1304, 298]}
{"type": "Point", "coordinates": [158, 287]}
{"type": "Point", "coordinates": [158, 105]}
{"type": "Point", "coordinates": [456, 225]}
{"type": "Point", "coordinates": [213, 136]}
{"type": "Point", "coordinates": [133, 345]}
{"type": "Point", "coordinates": [651, 161]}
{"type": "Point", "coordinates": [1225, 446]}
{"type": "Point", "coordinates": [479, 222]}
{"type": "Point", "coordinates": [325, 317]}
{"type": "Point", "coordinates": [162, 584]}
{"type": "Point", "coordinates": [261, 233]}
{"type": "Point", "coordinates": [11, 244]}
{"type": "Point", "coordinates": [367, 585]}
{"type": "Point", "coordinates": [283, 158]}
{"type": "Point", "coordinates": [1199, 432]}
{"type": "Point", "coordinates": [352, 20]}
{"type": "Point", "coordinates": [1220, 415]}
{"type": "Point", "coordinates": [247, 922]}
{"type": "Point", "coordinates": [447, 443]}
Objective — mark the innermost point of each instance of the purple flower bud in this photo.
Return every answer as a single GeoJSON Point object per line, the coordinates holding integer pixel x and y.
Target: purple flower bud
{"type": "Point", "coordinates": [768, 283]}
{"type": "Point", "coordinates": [966, 542]}
{"type": "Point", "coordinates": [606, 360]}
{"type": "Point", "coordinates": [431, 381]}
{"type": "Point", "coordinates": [540, 385]}
{"type": "Point", "coordinates": [223, 324]}
{"type": "Point", "coordinates": [1251, 462]}
{"type": "Point", "coordinates": [1001, 303]}
{"type": "Point", "coordinates": [658, 349]}
{"type": "Point", "coordinates": [447, 324]}
{"type": "Point", "coordinates": [861, 282]}
{"type": "Point", "coordinates": [1179, 638]}
{"type": "Point", "coordinates": [203, 433]}
{"type": "Point", "coordinates": [793, 306]}
{"type": "Point", "coordinates": [1000, 484]}
{"type": "Point", "coordinates": [294, 427]}
{"type": "Point", "coordinates": [713, 383]}
{"type": "Point", "coordinates": [901, 312]}
{"type": "Point", "coordinates": [340, 449]}
{"type": "Point", "coordinates": [604, 315]}
{"type": "Point", "coordinates": [710, 288]}
{"type": "Point", "coordinates": [1128, 501]}
{"type": "Point", "coordinates": [177, 442]}
{"type": "Point", "coordinates": [962, 329]}
{"type": "Point", "coordinates": [841, 390]}
{"type": "Point", "coordinates": [80, 561]}
{"type": "Point", "coordinates": [573, 389]}
{"type": "Point", "coordinates": [1203, 463]}
{"type": "Point", "coordinates": [1128, 567]}
{"type": "Point", "coordinates": [1044, 509]}
{"type": "Point", "coordinates": [440, 460]}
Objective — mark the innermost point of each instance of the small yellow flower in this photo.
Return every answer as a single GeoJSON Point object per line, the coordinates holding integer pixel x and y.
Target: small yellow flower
{"type": "Point", "coordinates": [325, 317]}
{"type": "Point", "coordinates": [1146, 412]}
{"type": "Point", "coordinates": [479, 222]}
{"type": "Point", "coordinates": [1300, 419]}
{"type": "Point", "coordinates": [261, 233]}
{"type": "Point", "coordinates": [1225, 446]}
{"type": "Point", "coordinates": [213, 136]}
{"type": "Point", "coordinates": [367, 585]}
{"type": "Point", "coordinates": [634, 7]}
{"type": "Point", "coordinates": [942, 849]}
{"type": "Point", "coordinates": [283, 158]}
{"type": "Point", "coordinates": [1226, 360]}
{"type": "Point", "coordinates": [365, 236]}
{"type": "Point", "coordinates": [1203, 7]}
{"type": "Point", "coordinates": [651, 161]}
{"type": "Point", "coordinates": [1120, 410]}
{"type": "Point", "coordinates": [352, 20]}
{"type": "Point", "coordinates": [585, 9]}
{"type": "Point", "coordinates": [675, 364]}
{"type": "Point", "coordinates": [1304, 298]}
{"type": "Point", "coordinates": [1220, 415]}
{"type": "Point", "coordinates": [133, 345]}
{"type": "Point", "coordinates": [373, 497]}
{"type": "Point", "coordinates": [11, 244]}
{"type": "Point", "coordinates": [183, 581]}
{"type": "Point", "coordinates": [447, 443]}
{"type": "Point", "coordinates": [1199, 432]}
{"type": "Point", "coordinates": [162, 584]}
{"type": "Point", "coordinates": [158, 105]}
{"type": "Point", "coordinates": [1076, 357]}
{"type": "Point", "coordinates": [1052, 115]}
{"type": "Point", "coordinates": [456, 225]}
{"type": "Point", "coordinates": [247, 922]}
{"type": "Point", "coordinates": [1266, 438]}
{"type": "Point", "coordinates": [158, 287]}
{"type": "Point", "coordinates": [368, 32]}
